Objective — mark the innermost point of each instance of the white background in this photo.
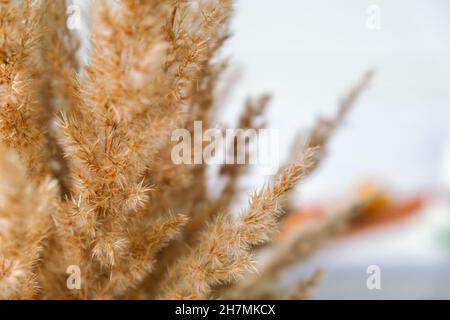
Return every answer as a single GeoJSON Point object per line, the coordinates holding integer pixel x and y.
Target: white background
{"type": "Point", "coordinates": [308, 54]}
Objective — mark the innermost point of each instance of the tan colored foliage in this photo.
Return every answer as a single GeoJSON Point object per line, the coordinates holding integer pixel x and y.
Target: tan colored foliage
{"type": "Point", "coordinates": [86, 176]}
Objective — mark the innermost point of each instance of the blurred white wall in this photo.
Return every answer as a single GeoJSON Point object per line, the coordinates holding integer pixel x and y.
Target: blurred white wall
{"type": "Point", "coordinates": [308, 53]}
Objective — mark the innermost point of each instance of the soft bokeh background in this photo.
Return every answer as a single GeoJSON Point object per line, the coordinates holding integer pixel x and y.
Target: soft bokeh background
{"type": "Point", "coordinates": [308, 53]}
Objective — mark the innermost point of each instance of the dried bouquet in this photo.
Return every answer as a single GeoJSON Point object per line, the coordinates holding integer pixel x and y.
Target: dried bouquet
{"type": "Point", "coordinates": [91, 205]}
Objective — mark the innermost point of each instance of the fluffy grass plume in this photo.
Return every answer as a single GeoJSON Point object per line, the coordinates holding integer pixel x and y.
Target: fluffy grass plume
{"type": "Point", "coordinates": [86, 174]}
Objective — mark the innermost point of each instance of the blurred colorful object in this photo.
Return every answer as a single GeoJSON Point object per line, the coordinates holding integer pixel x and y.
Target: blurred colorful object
{"type": "Point", "coordinates": [378, 208]}
{"type": "Point", "coordinates": [373, 206]}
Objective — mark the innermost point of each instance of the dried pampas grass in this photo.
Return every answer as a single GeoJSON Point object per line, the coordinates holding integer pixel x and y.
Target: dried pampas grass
{"type": "Point", "coordinates": [87, 180]}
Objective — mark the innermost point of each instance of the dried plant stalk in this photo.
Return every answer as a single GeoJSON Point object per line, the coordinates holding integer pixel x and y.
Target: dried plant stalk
{"type": "Point", "coordinates": [85, 155]}
{"type": "Point", "coordinates": [224, 251]}
{"type": "Point", "coordinates": [25, 210]}
{"type": "Point", "coordinates": [302, 242]}
{"type": "Point", "coordinates": [22, 124]}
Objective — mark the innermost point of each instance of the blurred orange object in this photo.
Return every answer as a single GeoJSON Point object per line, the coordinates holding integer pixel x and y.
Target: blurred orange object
{"type": "Point", "coordinates": [372, 198]}
{"type": "Point", "coordinates": [292, 220]}
{"type": "Point", "coordinates": [392, 213]}
{"type": "Point", "coordinates": [373, 206]}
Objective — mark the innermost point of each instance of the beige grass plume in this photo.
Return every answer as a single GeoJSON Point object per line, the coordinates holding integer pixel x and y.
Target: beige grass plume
{"type": "Point", "coordinates": [87, 178]}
